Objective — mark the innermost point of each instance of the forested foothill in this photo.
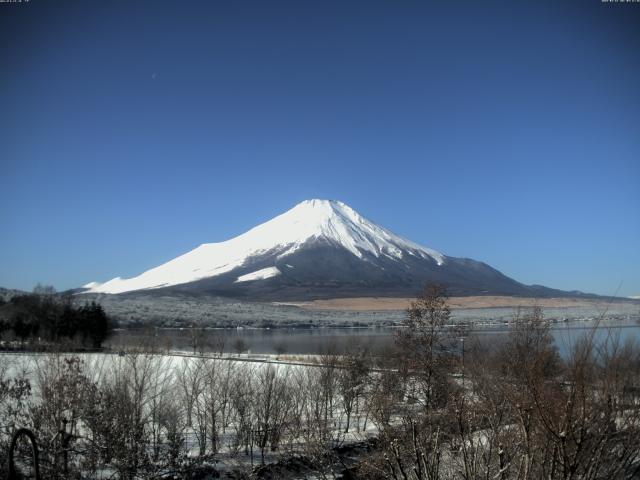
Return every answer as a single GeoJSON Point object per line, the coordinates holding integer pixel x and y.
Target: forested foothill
{"type": "Point", "coordinates": [439, 405]}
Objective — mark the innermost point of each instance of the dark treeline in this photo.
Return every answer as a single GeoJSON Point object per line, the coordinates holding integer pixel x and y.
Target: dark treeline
{"type": "Point", "coordinates": [44, 317]}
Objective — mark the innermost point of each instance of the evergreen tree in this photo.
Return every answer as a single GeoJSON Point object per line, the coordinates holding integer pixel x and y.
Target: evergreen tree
{"type": "Point", "coordinates": [94, 323]}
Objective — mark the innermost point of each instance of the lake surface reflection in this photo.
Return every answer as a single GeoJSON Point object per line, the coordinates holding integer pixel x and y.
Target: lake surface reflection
{"type": "Point", "coordinates": [318, 340]}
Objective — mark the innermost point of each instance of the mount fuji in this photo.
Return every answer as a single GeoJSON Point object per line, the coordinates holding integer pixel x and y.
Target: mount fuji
{"type": "Point", "coordinates": [318, 249]}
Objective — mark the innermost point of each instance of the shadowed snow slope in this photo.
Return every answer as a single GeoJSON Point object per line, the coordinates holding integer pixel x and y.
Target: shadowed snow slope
{"type": "Point", "coordinates": [318, 249]}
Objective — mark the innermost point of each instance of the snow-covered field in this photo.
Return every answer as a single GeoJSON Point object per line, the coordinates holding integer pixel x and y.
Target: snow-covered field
{"type": "Point", "coordinates": [201, 387]}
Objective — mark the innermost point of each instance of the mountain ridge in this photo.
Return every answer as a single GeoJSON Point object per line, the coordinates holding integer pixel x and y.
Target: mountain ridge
{"type": "Point", "coordinates": [318, 249]}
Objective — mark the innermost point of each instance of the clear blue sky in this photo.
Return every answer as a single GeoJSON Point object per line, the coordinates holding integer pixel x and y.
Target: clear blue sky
{"type": "Point", "coordinates": [508, 132]}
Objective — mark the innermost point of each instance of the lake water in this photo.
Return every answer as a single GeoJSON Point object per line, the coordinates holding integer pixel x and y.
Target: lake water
{"type": "Point", "coordinates": [318, 340]}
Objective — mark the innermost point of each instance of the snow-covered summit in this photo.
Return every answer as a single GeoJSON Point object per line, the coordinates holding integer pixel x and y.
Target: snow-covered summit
{"type": "Point", "coordinates": [337, 222]}
{"type": "Point", "coordinates": [310, 221]}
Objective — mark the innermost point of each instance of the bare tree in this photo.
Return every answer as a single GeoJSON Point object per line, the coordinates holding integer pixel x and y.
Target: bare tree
{"type": "Point", "coordinates": [352, 379]}
{"type": "Point", "coordinates": [422, 346]}
{"type": "Point", "coordinates": [241, 398]}
{"type": "Point", "coordinates": [15, 392]}
{"type": "Point", "coordinates": [240, 345]}
{"type": "Point", "coordinates": [63, 390]}
{"type": "Point", "coordinates": [320, 434]}
{"type": "Point", "coordinates": [197, 337]}
{"type": "Point", "coordinates": [217, 392]}
{"type": "Point", "coordinates": [271, 407]}
{"type": "Point", "coordinates": [280, 348]}
{"type": "Point", "coordinates": [197, 386]}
